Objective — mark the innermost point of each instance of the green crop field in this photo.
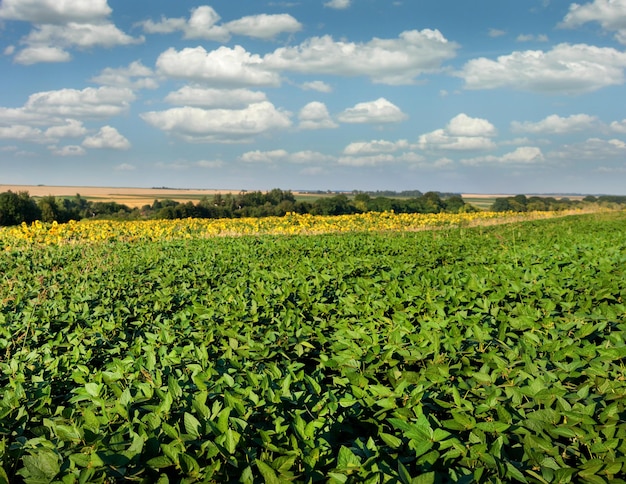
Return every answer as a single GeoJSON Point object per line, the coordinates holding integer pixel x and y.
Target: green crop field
{"type": "Point", "coordinates": [484, 354]}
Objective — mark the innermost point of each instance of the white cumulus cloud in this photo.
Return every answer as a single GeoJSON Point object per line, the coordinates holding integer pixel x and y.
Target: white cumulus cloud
{"type": "Point", "coordinates": [555, 124]}
{"type": "Point", "coordinates": [107, 138]}
{"type": "Point", "coordinates": [54, 11]}
{"type": "Point", "coordinates": [89, 102]}
{"type": "Point", "coordinates": [218, 125]}
{"type": "Point", "coordinates": [71, 129]}
{"type": "Point", "coordinates": [315, 116]}
{"type": "Point", "coordinates": [258, 156]}
{"type": "Point", "coordinates": [619, 126]}
{"type": "Point", "coordinates": [43, 53]}
{"type": "Point", "coordinates": [338, 4]}
{"type": "Point", "coordinates": [204, 23]}
{"type": "Point", "coordinates": [386, 61]}
{"type": "Point", "coordinates": [61, 25]}
{"type": "Point", "coordinates": [378, 111]}
{"type": "Point", "coordinates": [374, 147]}
{"type": "Point", "coordinates": [610, 14]}
{"type": "Point", "coordinates": [215, 98]}
{"type": "Point", "coordinates": [523, 155]}
{"type": "Point", "coordinates": [592, 150]}
{"type": "Point", "coordinates": [460, 134]}
{"type": "Point", "coordinates": [566, 69]}
{"type": "Point", "coordinates": [264, 26]}
{"type": "Point", "coordinates": [224, 66]}
{"type": "Point", "coordinates": [367, 160]}
{"type": "Point", "coordinates": [134, 76]}
{"type": "Point", "coordinates": [69, 150]}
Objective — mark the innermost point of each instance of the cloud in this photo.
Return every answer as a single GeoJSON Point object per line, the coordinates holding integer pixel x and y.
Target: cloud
{"type": "Point", "coordinates": [60, 25]}
{"type": "Point", "coordinates": [315, 116]}
{"type": "Point", "coordinates": [88, 103]}
{"type": "Point", "coordinates": [464, 125]}
{"type": "Point", "coordinates": [54, 11]}
{"type": "Point", "coordinates": [264, 26]}
{"type": "Point", "coordinates": [496, 33]}
{"type": "Point", "coordinates": [338, 4]}
{"type": "Point", "coordinates": [532, 38]}
{"type": "Point", "coordinates": [592, 150]}
{"type": "Point", "coordinates": [375, 147]}
{"type": "Point", "coordinates": [610, 14]}
{"type": "Point", "coordinates": [379, 111]}
{"type": "Point", "coordinates": [264, 156]}
{"type": "Point", "coordinates": [566, 69]}
{"type": "Point", "coordinates": [215, 98]}
{"type": "Point", "coordinates": [69, 150]}
{"type": "Point", "coordinates": [555, 124]}
{"type": "Point", "coordinates": [385, 61]}
{"type": "Point", "coordinates": [619, 126]}
{"type": "Point", "coordinates": [221, 67]}
{"type": "Point", "coordinates": [204, 24]}
{"type": "Point", "coordinates": [125, 167]}
{"type": "Point", "coordinates": [209, 163]}
{"type": "Point", "coordinates": [461, 133]}
{"type": "Point", "coordinates": [274, 156]}
{"type": "Point", "coordinates": [34, 55]}
{"type": "Point", "coordinates": [367, 160]}
{"type": "Point", "coordinates": [21, 132]}
{"type": "Point", "coordinates": [523, 155]}
{"type": "Point", "coordinates": [318, 86]}
{"type": "Point", "coordinates": [218, 125]}
{"type": "Point", "coordinates": [107, 138]}
{"type": "Point", "coordinates": [72, 129]}
{"type": "Point", "coordinates": [81, 35]}
{"type": "Point", "coordinates": [388, 61]}
{"type": "Point", "coordinates": [134, 76]}
{"type": "Point", "coordinates": [308, 157]}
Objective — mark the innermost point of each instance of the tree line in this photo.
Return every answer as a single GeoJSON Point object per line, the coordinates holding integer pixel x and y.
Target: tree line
{"type": "Point", "coordinates": [522, 203]}
{"type": "Point", "coordinates": [19, 207]}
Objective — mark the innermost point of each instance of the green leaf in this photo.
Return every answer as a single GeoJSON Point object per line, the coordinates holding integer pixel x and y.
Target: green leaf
{"type": "Point", "coordinates": [425, 478]}
{"type": "Point", "coordinates": [232, 439]}
{"type": "Point", "coordinates": [222, 420]}
{"type": "Point", "coordinates": [405, 476]}
{"type": "Point", "coordinates": [514, 472]}
{"type": "Point", "coordinates": [269, 475]}
{"type": "Point", "coordinates": [4, 479]}
{"type": "Point", "coordinates": [93, 389]}
{"type": "Point", "coordinates": [40, 467]}
{"type": "Point", "coordinates": [347, 460]}
{"type": "Point", "coordinates": [391, 440]}
{"type": "Point", "coordinates": [192, 425]}
{"type": "Point", "coordinates": [159, 462]}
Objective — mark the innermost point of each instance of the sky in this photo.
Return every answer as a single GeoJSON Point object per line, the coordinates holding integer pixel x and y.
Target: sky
{"type": "Point", "coordinates": [488, 96]}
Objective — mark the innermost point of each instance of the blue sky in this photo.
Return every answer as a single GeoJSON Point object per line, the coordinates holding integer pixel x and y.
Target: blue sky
{"type": "Point", "coordinates": [489, 96]}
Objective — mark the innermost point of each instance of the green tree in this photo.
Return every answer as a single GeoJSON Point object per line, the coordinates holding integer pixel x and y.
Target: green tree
{"type": "Point", "coordinates": [16, 208]}
{"type": "Point", "coordinates": [49, 209]}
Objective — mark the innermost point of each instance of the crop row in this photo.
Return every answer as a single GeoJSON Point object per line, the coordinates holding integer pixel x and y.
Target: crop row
{"type": "Point", "coordinates": [460, 355]}
{"type": "Point", "coordinates": [291, 224]}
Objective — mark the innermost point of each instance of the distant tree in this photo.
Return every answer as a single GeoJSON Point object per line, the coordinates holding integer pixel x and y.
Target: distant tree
{"type": "Point", "coordinates": [454, 204]}
{"type": "Point", "coordinates": [49, 209]}
{"type": "Point", "coordinates": [337, 205]}
{"type": "Point", "coordinates": [501, 205]}
{"type": "Point", "coordinates": [432, 202]}
{"type": "Point", "coordinates": [16, 208]}
{"type": "Point", "coordinates": [361, 201]}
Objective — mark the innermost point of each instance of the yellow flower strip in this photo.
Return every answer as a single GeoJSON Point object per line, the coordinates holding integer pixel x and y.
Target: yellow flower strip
{"type": "Point", "coordinates": [39, 233]}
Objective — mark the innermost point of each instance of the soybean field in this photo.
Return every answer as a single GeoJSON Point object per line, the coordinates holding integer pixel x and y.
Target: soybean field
{"type": "Point", "coordinates": [462, 354]}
